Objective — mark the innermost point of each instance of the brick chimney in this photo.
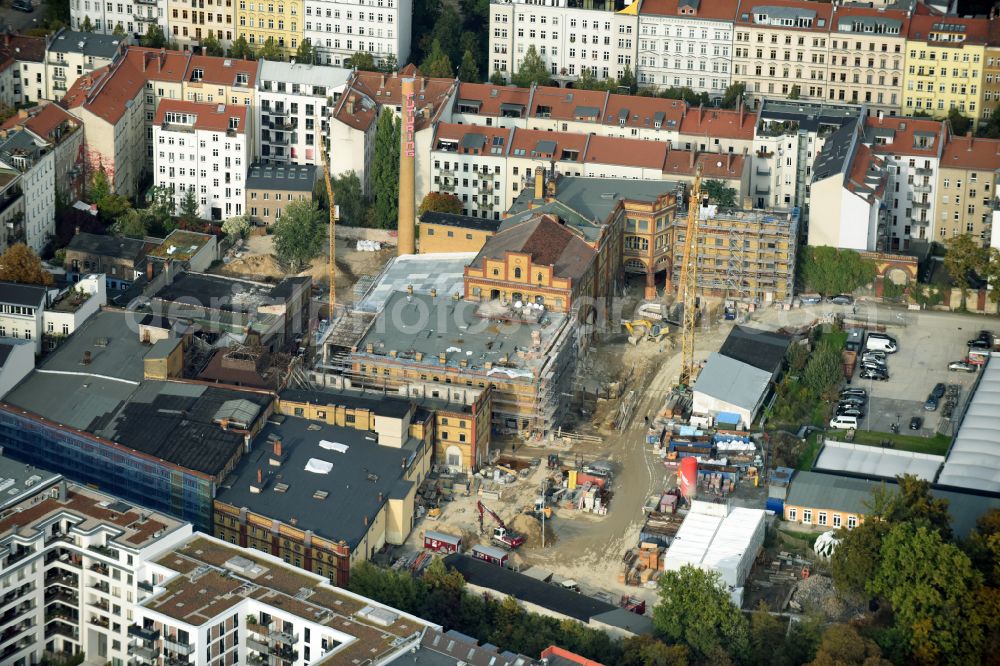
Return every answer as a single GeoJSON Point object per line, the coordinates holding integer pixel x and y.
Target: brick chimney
{"type": "Point", "coordinates": [694, 153]}
{"type": "Point", "coordinates": [729, 161]}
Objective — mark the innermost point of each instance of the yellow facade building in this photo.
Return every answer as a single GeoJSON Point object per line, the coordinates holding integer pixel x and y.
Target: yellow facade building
{"type": "Point", "coordinates": [280, 20]}
{"type": "Point", "coordinates": [945, 62]}
{"type": "Point", "coordinates": [991, 73]}
{"type": "Point", "coordinates": [448, 232]}
{"type": "Point", "coordinates": [967, 180]}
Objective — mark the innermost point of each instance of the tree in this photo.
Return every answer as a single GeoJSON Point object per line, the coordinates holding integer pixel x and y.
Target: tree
{"type": "Point", "coordinates": [237, 227]}
{"type": "Point", "coordinates": [911, 501]}
{"type": "Point", "coordinates": [99, 187]}
{"type": "Point", "coordinates": [794, 93]}
{"type": "Point", "coordinates": [212, 46]}
{"type": "Point", "coordinates": [843, 646]}
{"type": "Point", "coordinates": [86, 26]}
{"type": "Point", "coordinates": [991, 127]}
{"type": "Point", "coordinates": [991, 273]}
{"type": "Point", "coordinates": [425, 16]}
{"type": "Point", "coordinates": [448, 34]}
{"type": "Point", "coordinates": [154, 37]}
{"type": "Point", "coordinates": [350, 198]}
{"type": "Point", "coordinates": [300, 233]}
{"type": "Point", "coordinates": [965, 255]}
{"type": "Point", "coordinates": [960, 125]}
{"type": "Point", "coordinates": [720, 194]}
{"type": "Point", "coordinates": [242, 49]}
{"type": "Point", "coordinates": [113, 207]}
{"type": "Point", "coordinates": [732, 96]}
{"type": "Point", "coordinates": [363, 61]}
{"type": "Point", "coordinates": [119, 30]}
{"type": "Point", "coordinates": [468, 71]}
{"type": "Point", "coordinates": [587, 80]}
{"type": "Point", "coordinates": [271, 51]}
{"type": "Point", "coordinates": [627, 80]}
{"type": "Point", "coordinates": [644, 650]}
{"type": "Point", "coordinates": [385, 172]}
{"type": "Point", "coordinates": [20, 264]}
{"type": "Point", "coordinates": [829, 270]}
{"type": "Point", "coordinates": [532, 70]}
{"type": "Point", "coordinates": [440, 202]}
{"type": "Point", "coordinates": [437, 63]}
{"type": "Point", "coordinates": [388, 64]}
{"type": "Point", "coordinates": [497, 78]}
{"type": "Point", "coordinates": [305, 53]}
{"type": "Point", "coordinates": [933, 590]}
{"type": "Point", "coordinates": [857, 558]}
{"type": "Point", "coordinates": [695, 609]}
{"type": "Point", "coordinates": [983, 546]}
{"type": "Point", "coordinates": [161, 210]}
{"type": "Point", "coordinates": [133, 223]}
{"type": "Point", "coordinates": [188, 208]}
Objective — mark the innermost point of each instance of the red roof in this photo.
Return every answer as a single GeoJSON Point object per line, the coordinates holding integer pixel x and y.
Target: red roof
{"type": "Point", "coordinates": [23, 47]}
{"type": "Point", "coordinates": [528, 142]}
{"type": "Point", "coordinates": [724, 10]}
{"type": "Point", "coordinates": [222, 71]}
{"type": "Point", "coordinates": [845, 11]}
{"type": "Point", "coordinates": [42, 120]}
{"type": "Point", "coordinates": [726, 166]}
{"type": "Point", "coordinates": [745, 13]}
{"type": "Point", "coordinates": [644, 112]}
{"type": "Point", "coordinates": [627, 152]}
{"type": "Point", "coordinates": [975, 30]}
{"type": "Point", "coordinates": [867, 163]}
{"type": "Point", "coordinates": [369, 91]}
{"type": "Point", "coordinates": [493, 137]}
{"type": "Point", "coordinates": [563, 104]}
{"type": "Point", "coordinates": [967, 152]}
{"type": "Point", "coordinates": [210, 117]}
{"type": "Point", "coordinates": [491, 97]}
{"type": "Point", "coordinates": [906, 139]}
{"type": "Point", "coordinates": [721, 123]}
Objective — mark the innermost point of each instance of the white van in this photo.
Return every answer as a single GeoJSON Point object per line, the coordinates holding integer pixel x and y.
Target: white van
{"type": "Point", "coordinates": [844, 422]}
{"type": "Point", "coordinates": [878, 343]}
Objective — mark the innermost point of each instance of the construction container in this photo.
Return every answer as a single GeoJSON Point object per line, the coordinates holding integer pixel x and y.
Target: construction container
{"type": "Point", "coordinates": [849, 360]}
{"type": "Point", "coordinates": [442, 543]}
{"type": "Point", "coordinates": [689, 477]}
{"type": "Point", "coordinates": [490, 554]}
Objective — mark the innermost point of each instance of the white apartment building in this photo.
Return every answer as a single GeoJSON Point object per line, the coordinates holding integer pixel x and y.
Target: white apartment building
{"type": "Point", "coordinates": [471, 164]}
{"type": "Point", "coordinates": [338, 29]}
{"type": "Point", "coordinates": [21, 310]}
{"type": "Point", "coordinates": [71, 562]}
{"type": "Point", "coordinates": [204, 148]}
{"type": "Point", "coordinates": [294, 99]}
{"type": "Point", "coordinates": [33, 161]}
{"type": "Point", "coordinates": [71, 54]}
{"type": "Point", "coordinates": [595, 36]}
{"type": "Point", "coordinates": [686, 43]}
{"type": "Point", "coordinates": [134, 16]}
{"type": "Point", "coordinates": [215, 603]}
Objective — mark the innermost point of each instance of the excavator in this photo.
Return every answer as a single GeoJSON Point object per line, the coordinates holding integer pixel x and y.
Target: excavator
{"type": "Point", "coordinates": [502, 535]}
{"type": "Point", "coordinates": [639, 329]}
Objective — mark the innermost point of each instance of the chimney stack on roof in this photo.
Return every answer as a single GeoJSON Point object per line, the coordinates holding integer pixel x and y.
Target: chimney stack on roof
{"type": "Point", "coordinates": [969, 136]}
{"type": "Point", "coordinates": [729, 161]}
{"type": "Point", "coordinates": [701, 111]}
{"type": "Point", "coordinates": [694, 152]}
{"type": "Point", "coordinates": [539, 182]}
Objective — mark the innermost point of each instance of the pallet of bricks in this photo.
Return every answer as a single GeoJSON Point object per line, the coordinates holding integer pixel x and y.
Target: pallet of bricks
{"type": "Point", "coordinates": [642, 565]}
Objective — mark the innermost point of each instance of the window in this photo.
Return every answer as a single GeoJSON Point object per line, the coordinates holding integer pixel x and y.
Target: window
{"type": "Point", "coordinates": [822, 518]}
{"type": "Point", "coordinates": [792, 514]}
{"type": "Point", "coordinates": [836, 520]}
{"type": "Point", "coordinates": [807, 516]}
{"type": "Point", "coordinates": [852, 522]}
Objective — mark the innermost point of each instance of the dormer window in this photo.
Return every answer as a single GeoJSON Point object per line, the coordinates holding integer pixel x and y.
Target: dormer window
{"type": "Point", "coordinates": [198, 74]}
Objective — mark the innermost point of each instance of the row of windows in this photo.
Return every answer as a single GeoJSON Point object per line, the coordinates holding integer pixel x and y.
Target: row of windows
{"type": "Point", "coordinates": [821, 518]}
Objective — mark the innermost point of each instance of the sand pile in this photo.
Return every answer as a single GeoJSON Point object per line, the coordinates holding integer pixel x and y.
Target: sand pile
{"type": "Point", "coordinates": [816, 593]}
{"type": "Point", "coordinates": [531, 529]}
{"type": "Point", "coordinates": [256, 265]}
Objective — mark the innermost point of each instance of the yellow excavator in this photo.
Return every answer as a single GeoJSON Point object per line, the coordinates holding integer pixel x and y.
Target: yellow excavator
{"type": "Point", "coordinates": [639, 329]}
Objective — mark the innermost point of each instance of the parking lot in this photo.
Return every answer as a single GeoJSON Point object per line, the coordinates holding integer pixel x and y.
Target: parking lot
{"type": "Point", "coordinates": [928, 342]}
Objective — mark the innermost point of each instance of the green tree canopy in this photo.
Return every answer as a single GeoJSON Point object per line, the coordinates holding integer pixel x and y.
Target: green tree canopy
{"type": "Point", "coordinates": [270, 50]}
{"type": "Point", "coordinates": [468, 71]}
{"type": "Point", "coordinates": [20, 264]}
{"type": "Point", "coordinates": [437, 63]}
{"type": "Point", "coordinates": [300, 233]}
{"type": "Point", "coordinates": [440, 202]}
{"type": "Point", "coordinates": [242, 49]}
{"type": "Point", "coordinates": [385, 171]}
{"type": "Point", "coordinates": [991, 273]}
{"type": "Point", "coordinates": [212, 46]}
{"type": "Point", "coordinates": [388, 64]}
{"type": "Point", "coordinates": [857, 558]}
{"type": "Point", "coordinates": [237, 227]}
{"type": "Point", "coordinates": [188, 207]}
{"type": "Point", "coordinates": [99, 186]}
{"type": "Point", "coordinates": [119, 30]}
{"type": "Point", "coordinates": [305, 53]}
{"type": "Point", "coordinates": [645, 650]}
{"type": "Point", "coordinates": [829, 270]}
{"type": "Point", "coordinates": [695, 609]}
{"type": "Point", "coordinates": [349, 197]}
{"type": "Point", "coordinates": [134, 224]}
{"type": "Point", "coordinates": [363, 61]}
{"type": "Point", "coordinates": [497, 78]}
{"type": "Point", "coordinates": [154, 37]}
{"type": "Point", "coordinates": [531, 70]}
{"type": "Point", "coordinates": [732, 96]}
{"type": "Point", "coordinates": [843, 646]}
{"type": "Point", "coordinates": [964, 255]}
{"type": "Point", "coordinates": [87, 26]}
{"type": "Point", "coordinates": [960, 125]}
{"type": "Point", "coordinates": [720, 194]}
{"type": "Point", "coordinates": [627, 81]}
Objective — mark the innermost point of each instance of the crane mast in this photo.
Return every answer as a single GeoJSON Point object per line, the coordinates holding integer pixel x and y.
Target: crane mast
{"type": "Point", "coordinates": [332, 270]}
{"type": "Point", "coordinates": [689, 282]}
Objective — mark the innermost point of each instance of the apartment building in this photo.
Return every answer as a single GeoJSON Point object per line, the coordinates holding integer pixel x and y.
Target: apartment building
{"type": "Point", "coordinates": [132, 17]}
{"type": "Point", "coordinates": [26, 69]}
{"type": "Point", "coordinates": [205, 149]}
{"type": "Point", "coordinates": [945, 64]}
{"type": "Point", "coordinates": [71, 54]}
{"type": "Point", "coordinates": [220, 80]}
{"type": "Point", "coordinates": [686, 43]}
{"type": "Point", "coordinates": [279, 20]}
{"type": "Point", "coordinates": [991, 73]}
{"type": "Point", "coordinates": [912, 149]}
{"type": "Point", "coordinates": [32, 160]}
{"type": "Point", "coordinates": [270, 188]}
{"type": "Point", "coordinates": [62, 131]}
{"type": "Point", "coordinates": [470, 162]}
{"type": "Point", "coordinates": [21, 309]}
{"type": "Point", "coordinates": [569, 37]}
{"type": "Point", "coordinates": [191, 22]}
{"type": "Point", "coordinates": [966, 187]}
{"type": "Point", "coordinates": [72, 560]}
{"type": "Point", "coordinates": [338, 29]}
{"type": "Point", "coordinates": [780, 48]}
{"type": "Point", "coordinates": [211, 602]}
{"type": "Point", "coordinates": [294, 99]}
{"type": "Point", "coordinates": [867, 53]}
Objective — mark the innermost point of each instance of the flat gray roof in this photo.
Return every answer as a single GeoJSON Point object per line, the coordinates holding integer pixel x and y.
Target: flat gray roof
{"type": "Point", "coordinates": [359, 482]}
{"type": "Point", "coordinates": [974, 458]}
{"type": "Point", "coordinates": [87, 43]}
{"type": "Point", "coordinates": [303, 74]}
{"type": "Point", "coordinates": [18, 480]}
{"type": "Point", "coordinates": [294, 177]}
{"type": "Point", "coordinates": [442, 271]}
{"type": "Point", "coordinates": [873, 461]}
{"type": "Point", "coordinates": [732, 381]}
{"type": "Point", "coordinates": [112, 339]}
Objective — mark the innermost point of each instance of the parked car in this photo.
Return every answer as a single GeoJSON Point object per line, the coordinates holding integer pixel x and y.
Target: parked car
{"type": "Point", "coordinates": [980, 344]}
{"type": "Point", "coordinates": [916, 423]}
{"type": "Point", "coordinates": [810, 299]}
{"type": "Point", "coordinates": [875, 367]}
{"type": "Point", "coordinates": [23, 6]}
{"type": "Point", "coordinates": [844, 422]}
{"type": "Point", "coordinates": [938, 390]}
{"type": "Point", "coordinates": [841, 299]}
{"type": "Point", "coordinates": [984, 340]}
{"type": "Point", "coordinates": [851, 411]}
{"type": "Point", "coordinates": [853, 400]}
{"type": "Point", "coordinates": [854, 390]}
{"type": "Point", "coordinates": [932, 403]}
{"type": "Point", "coordinates": [874, 353]}
{"type": "Point", "coordinates": [877, 343]}
{"type": "Point", "coordinates": [961, 366]}
{"type": "Point", "coordinates": [877, 375]}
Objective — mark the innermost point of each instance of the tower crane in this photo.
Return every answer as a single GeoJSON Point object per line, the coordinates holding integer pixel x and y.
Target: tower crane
{"type": "Point", "coordinates": [333, 233]}
{"type": "Point", "coordinates": [689, 282]}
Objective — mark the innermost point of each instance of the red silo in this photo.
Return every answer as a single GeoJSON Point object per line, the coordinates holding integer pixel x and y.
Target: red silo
{"type": "Point", "coordinates": [689, 477]}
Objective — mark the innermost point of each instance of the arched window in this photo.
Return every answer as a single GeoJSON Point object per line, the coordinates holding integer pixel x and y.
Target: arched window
{"type": "Point", "coordinates": [517, 273]}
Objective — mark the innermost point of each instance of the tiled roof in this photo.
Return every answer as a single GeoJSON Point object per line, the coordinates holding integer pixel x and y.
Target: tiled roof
{"type": "Point", "coordinates": [23, 47]}
{"type": "Point", "coordinates": [563, 104]}
{"type": "Point", "coordinates": [547, 241]}
{"type": "Point", "coordinates": [910, 136]}
{"type": "Point", "coordinates": [723, 10]}
{"type": "Point", "coordinates": [366, 92]}
{"type": "Point", "coordinates": [713, 165]}
{"type": "Point", "coordinates": [719, 123]}
{"type": "Point", "coordinates": [539, 143]}
{"type": "Point", "coordinates": [975, 30]}
{"type": "Point", "coordinates": [972, 153]}
{"type": "Point", "coordinates": [847, 15]}
{"type": "Point", "coordinates": [473, 139]}
{"type": "Point", "coordinates": [626, 152]}
{"type": "Point", "coordinates": [42, 120]}
{"type": "Point", "coordinates": [491, 98]}
{"type": "Point", "coordinates": [746, 13]}
{"type": "Point", "coordinates": [644, 112]}
{"type": "Point", "coordinates": [210, 117]}
{"type": "Point", "coordinates": [222, 71]}
{"type": "Point", "coordinates": [867, 176]}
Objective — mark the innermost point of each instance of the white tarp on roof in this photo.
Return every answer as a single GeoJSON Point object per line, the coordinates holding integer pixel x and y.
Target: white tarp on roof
{"type": "Point", "coordinates": [974, 460]}
{"type": "Point", "coordinates": [876, 461]}
{"type": "Point", "coordinates": [711, 540]}
{"type": "Point", "coordinates": [333, 446]}
{"type": "Point", "coordinates": [317, 466]}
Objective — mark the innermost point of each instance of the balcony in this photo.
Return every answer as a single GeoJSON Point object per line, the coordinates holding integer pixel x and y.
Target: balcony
{"type": "Point", "coordinates": [762, 189]}
{"type": "Point", "coordinates": [16, 594]}
{"type": "Point", "coordinates": [61, 615]}
{"type": "Point", "coordinates": [145, 19]}
{"type": "Point", "coordinates": [138, 649]}
{"type": "Point", "coordinates": [18, 555]}
{"type": "Point", "coordinates": [14, 648]}
{"type": "Point", "coordinates": [64, 630]}
{"type": "Point", "coordinates": [98, 621]}
{"type": "Point", "coordinates": [257, 645]}
{"type": "Point", "coordinates": [143, 633]}
{"type": "Point", "coordinates": [101, 587]}
{"type": "Point", "coordinates": [11, 632]}
{"type": "Point", "coordinates": [173, 645]}
{"type": "Point", "coordinates": [922, 188]}
{"type": "Point", "coordinates": [763, 171]}
{"type": "Point", "coordinates": [764, 153]}
{"type": "Point", "coordinates": [67, 580]}
{"type": "Point", "coordinates": [15, 612]}
{"type": "Point", "coordinates": [277, 141]}
{"type": "Point", "coordinates": [924, 171]}
{"type": "Point", "coordinates": [101, 604]}
{"type": "Point", "coordinates": [176, 661]}
{"type": "Point", "coordinates": [99, 568]}
{"type": "Point", "coordinates": [924, 205]}
{"type": "Point", "coordinates": [283, 638]}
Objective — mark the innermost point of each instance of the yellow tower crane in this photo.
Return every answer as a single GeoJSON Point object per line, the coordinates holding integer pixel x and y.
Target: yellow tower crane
{"type": "Point", "coordinates": [687, 290]}
{"type": "Point", "coordinates": [333, 234]}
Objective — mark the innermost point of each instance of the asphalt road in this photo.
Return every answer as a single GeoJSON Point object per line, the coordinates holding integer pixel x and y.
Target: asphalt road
{"type": "Point", "coordinates": [16, 21]}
